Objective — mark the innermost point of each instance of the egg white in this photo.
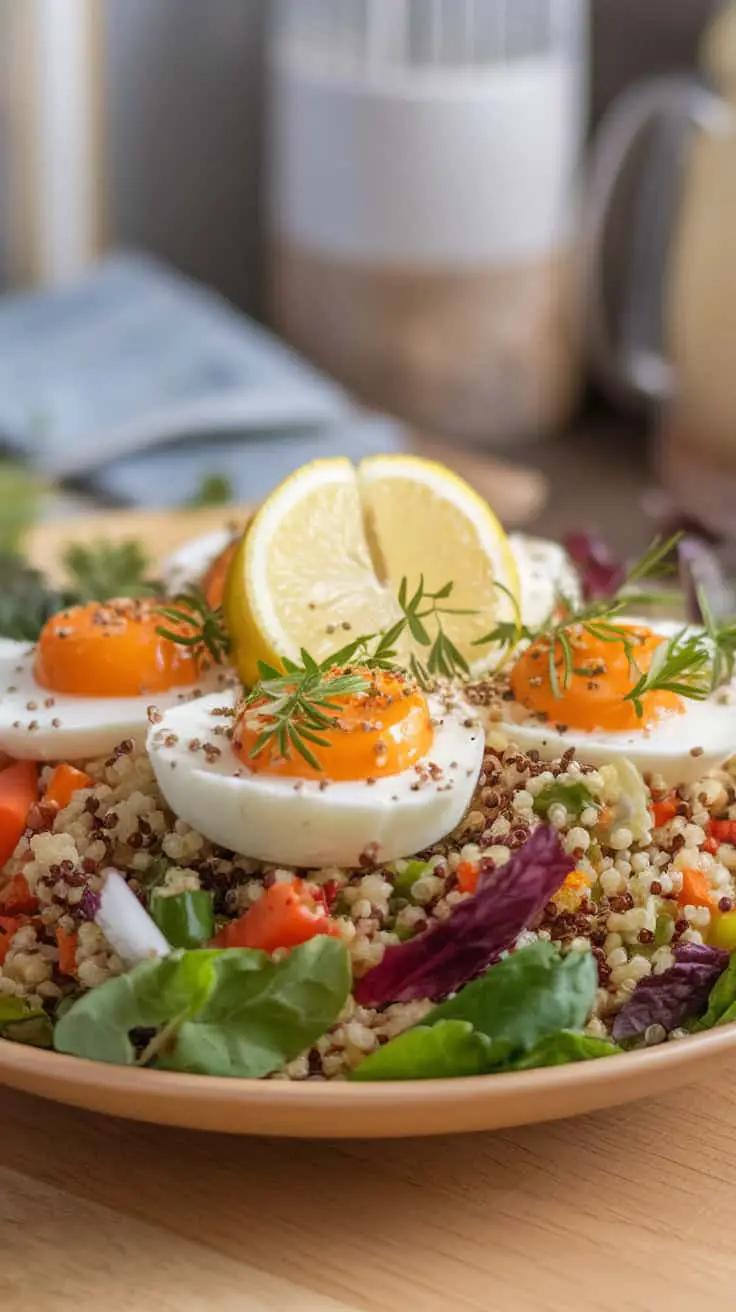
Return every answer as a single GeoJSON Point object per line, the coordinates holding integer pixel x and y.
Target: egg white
{"type": "Point", "coordinates": [301, 822]}
{"type": "Point", "coordinates": [87, 726]}
{"type": "Point", "coordinates": [545, 572]}
{"type": "Point", "coordinates": [679, 747]}
{"type": "Point", "coordinates": [187, 565]}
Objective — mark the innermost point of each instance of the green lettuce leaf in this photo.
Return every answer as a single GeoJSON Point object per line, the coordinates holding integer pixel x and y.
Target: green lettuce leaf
{"type": "Point", "coordinates": [574, 797]}
{"type": "Point", "coordinates": [525, 1009]}
{"type": "Point", "coordinates": [449, 1048]}
{"type": "Point", "coordinates": [23, 1023]}
{"type": "Point", "coordinates": [531, 993]}
{"type": "Point", "coordinates": [218, 1012]}
{"type": "Point", "coordinates": [564, 1047]}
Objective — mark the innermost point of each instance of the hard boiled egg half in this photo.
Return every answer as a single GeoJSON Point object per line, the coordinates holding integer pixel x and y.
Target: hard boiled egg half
{"type": "Point", "coordinates": [91, 680]}
{"type": "Point", "coordinates": [589, 707]}
{"type": "Point", "coordinates": [395, 774]}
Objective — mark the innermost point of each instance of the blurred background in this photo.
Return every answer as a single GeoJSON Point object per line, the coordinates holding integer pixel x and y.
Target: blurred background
{"type": "Point", "coordinates": [237, 235]}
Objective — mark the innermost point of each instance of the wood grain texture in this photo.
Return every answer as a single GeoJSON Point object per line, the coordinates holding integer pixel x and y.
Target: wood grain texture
{"type": "Point", "coordinates": [627, 1209]}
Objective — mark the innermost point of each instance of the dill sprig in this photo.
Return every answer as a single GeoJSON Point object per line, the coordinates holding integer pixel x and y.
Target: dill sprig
{"type": "Point", "coordinates": [295, 705]}
{"type": "Point", "coordinates": [722, 637]}
{"type": "Point", "coordinates": [598, 618]}
{"type": "Point", "coordinates": [683, 665]}
{"type": "Point", "coordinates": [424, 608]}
{"type": "Point", "coordinates": [201, 627]}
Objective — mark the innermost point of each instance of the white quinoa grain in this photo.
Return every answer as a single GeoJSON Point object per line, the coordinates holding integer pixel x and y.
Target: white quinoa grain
{"type": "Point", "coordinates": [621, 839]}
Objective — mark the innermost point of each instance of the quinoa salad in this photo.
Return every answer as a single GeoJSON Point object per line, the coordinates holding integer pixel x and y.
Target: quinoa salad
{"type": "Point", "coordinates": [356, 867]}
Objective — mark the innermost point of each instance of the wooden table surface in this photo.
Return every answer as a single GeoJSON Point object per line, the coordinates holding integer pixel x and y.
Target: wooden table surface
{"type": "Point", "coordinates": [629, 1209]}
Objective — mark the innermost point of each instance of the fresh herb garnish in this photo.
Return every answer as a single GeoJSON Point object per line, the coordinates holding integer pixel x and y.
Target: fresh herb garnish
{"type": "Point", "coordinates": [214, 490]}
{"type": "Point", "coordinates": [201, 626]}
{"type": "Point", "coordinates": [293, 709]}
{"type": "Point", "coordinates": [20, 499]}
{"type": "Point", "coordinates": [101, 570]}
{"type": "Point", "coordinates": [423, 609]}
{"type": "Point", "coordinates": [682, 665]}
{"type": "Point", "coordinates": [27, 599]}
{"type": "Point", "coordinates": [295, 705]}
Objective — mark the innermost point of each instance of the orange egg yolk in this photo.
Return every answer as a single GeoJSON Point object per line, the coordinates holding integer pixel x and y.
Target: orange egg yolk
{"type": "Point", "coordinates": [377, 733]}
{"type": "Point", "coordinates": [111, 650]}
{"type": "Point", "coordinates": [593, 696]}
{"type": "Point", "coordinates": [214, 579]}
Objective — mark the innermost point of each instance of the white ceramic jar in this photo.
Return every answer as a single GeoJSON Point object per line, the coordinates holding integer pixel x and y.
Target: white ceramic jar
{"type": "Point", "coordinates": [423, 159]}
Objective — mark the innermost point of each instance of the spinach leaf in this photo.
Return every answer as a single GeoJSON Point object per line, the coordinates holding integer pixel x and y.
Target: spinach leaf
{"type": "Point", "coordinates": [449, 1048]}
{"type": "Point", "coordinates": [216, 1011]}
{"type": "Point", "coordinates": [23, 1023]}
{"type": "Point", "coordinates": [523, 1012]}
{"type": "Point", "coordinates": [161, 992]}
{"type": "Point", "coordinates": [564, 1047]}
{"type": "Point", "coordinates": [722, 999]}
{"type": "Point", "coordinates": [574, 797]}
{"type": "Point", "coordinates": [530, 994]}
{"type": "Point", "coordinates": [261, 1012]}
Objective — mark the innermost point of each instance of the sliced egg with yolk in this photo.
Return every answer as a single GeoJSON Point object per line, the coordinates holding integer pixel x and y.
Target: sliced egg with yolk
{"type": "Point", "coordinates": [590, 709]}
{"type": "Point", "coordinates": [89, 681]}
{"type": "Point", "coordinates": [394, 774]}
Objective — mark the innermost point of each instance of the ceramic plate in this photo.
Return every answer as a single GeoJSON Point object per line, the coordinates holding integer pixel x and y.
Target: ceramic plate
{"type": "Point", "coordinates": [343, 1111]}
{"type": "Point", "coordinates": [337, 1110]}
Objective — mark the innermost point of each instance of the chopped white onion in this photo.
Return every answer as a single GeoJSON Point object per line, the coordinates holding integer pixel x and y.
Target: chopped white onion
{"type": "Point", "coordinates": [127, 926]}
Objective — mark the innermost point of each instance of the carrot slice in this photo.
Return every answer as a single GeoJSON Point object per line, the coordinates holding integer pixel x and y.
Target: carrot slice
{"type": "Point", "coordinates": [281, 918]}
{"type": "Point", "coordinates": [697, 890]}
{"type": "Point", "coordinates": [17, 899]}
{"type": "Point", "coordinates": [467, 876]}
{"type": "Point", "coordinates": [18, 792]}
{"type": "Point", "coordinates": [66, 942]}
{"type": "Point", "coordinates": [64, 783]}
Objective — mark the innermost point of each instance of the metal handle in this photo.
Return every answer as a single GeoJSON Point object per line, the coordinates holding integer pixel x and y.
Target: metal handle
{"type": "Point", "coordinates": [636, 365]}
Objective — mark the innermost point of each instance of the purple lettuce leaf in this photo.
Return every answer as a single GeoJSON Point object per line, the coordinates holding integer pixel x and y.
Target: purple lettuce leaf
{"type": "Point", "coordinates": [601, 573]}
{"type": "Point", "coordinates": [478, 931]}
{"type": "Point", "coordinates": [677, 995]}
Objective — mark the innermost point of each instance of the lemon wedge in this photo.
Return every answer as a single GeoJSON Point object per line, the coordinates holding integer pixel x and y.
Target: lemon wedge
{"type": "Point", "coordinates": [324, 558]}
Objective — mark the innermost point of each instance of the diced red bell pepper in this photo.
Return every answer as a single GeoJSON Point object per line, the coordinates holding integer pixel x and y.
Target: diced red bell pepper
{"type": "Point", "coordinates": [284, 916]}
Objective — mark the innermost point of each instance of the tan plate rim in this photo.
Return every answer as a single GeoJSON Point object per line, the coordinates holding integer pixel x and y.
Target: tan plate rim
{"type": "Point", "coordinates": [313, 1109]}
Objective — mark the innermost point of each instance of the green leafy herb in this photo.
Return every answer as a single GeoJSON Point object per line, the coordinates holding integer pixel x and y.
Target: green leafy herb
{"type": "Point", "coordinates": [564, 1047]}
{"type": "Point", "coordinates": [214, 490]}
{"type": "Point", "coordinates": [200, 627]}
{"type": "Point", "coordinates": [185, 919]}
{"type": "Point", "coordinates": [101, 570]}
{"type": "Point", "coordinates": [230, 1012]}
{"type": "Point", "coordinates": [574, 797]}
{"type": "Point", "coordinates": [722, 637]}
{"type": "Point", "coordinates": [27, 600]}
{"type": "Point", "coordinates": [682, 665]}
{"type": "Point", "coordinates": [423, 611]}
{"type": "Point", "coordinates": [23, 1023]}
{"type": "Point", "coordinates": [20, 499]}
{"type": "Point", "coordinates": [155, 873]}
{"type": "Point", "coordinates": [527, 999]}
